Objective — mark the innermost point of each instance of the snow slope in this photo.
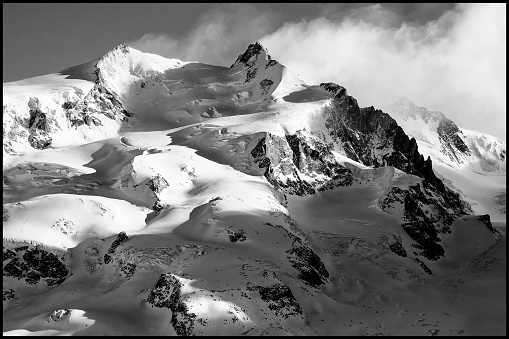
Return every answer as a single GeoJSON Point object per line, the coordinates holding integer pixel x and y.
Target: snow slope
{"type": "Point", "coordinates": [153, 196]}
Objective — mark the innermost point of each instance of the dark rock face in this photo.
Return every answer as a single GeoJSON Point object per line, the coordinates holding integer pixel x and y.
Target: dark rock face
{"type": "Point", "coordinates": [420, 228]}
{"type": "Point", "coordinates": [279, 298]}
{"type": "Point", "coordinates": [373, 138]}
{"type": "Point", "coordinates": [311, 268]}
{"type": "Point", "coordinates": [123, 47]}
{"type": "Point", "coordinates": [99, 101]}
{"type": "Point", "coordinates": [245, 58]}
{"type": "Point", "coordinates": [167, 294]}
{"type": "Point", "coordinates": [485, 219]}
{"type": "Point", "coordinates": [333, 88]}
{"type": "Point", "coordinates": [304, 259]}
{"type": "Point", "coordinates": [58, 315]}
{"type": "Point", "coordinates": [69, 105]}
{"type": "Point", "coordinates": [38, 130]}
{"type": "Point", "coordinates": [37, 120]}
{"type": "Point", "coordinates": [157, 185]}
{"type": "Point", "coordinates": [235, 236]}
{"type": "Point", "coordinates": [128, 269]}
{"type": "Point", "coordinates": [251, 74]}
{"type": "Point", "coordinates": [252, 63]}
{"type": "Point", "coordinates": [36, 264]}
{"type": "Point", "coordinates": [8, 294]}
{"type": "Point", "coordinates": [8, 254]}
{"type": "Point", "coordinates": [423, 266]}
{"type": "Point", "coordinates": [265, 85]}
{"type": "Point", "coordinates": [448, 134]}
{"type": "Point", "coordinates": [121, 237]}
{"type": "Point", "coordinates": [271, 63]}
{"type": "Point", "coordinates": [287, 159]}
{"type": "Point", "coordinates": [398, 248]}
{"type": "Point", "coordinates": [426, 214]}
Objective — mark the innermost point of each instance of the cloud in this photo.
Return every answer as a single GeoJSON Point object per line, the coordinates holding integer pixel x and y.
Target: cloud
{"type": "Point", "coordinates": [455, 63]}
{"type": "Point", "coordinates": [221, 35]}
{"type": "Point", "coordinates": [445, 57]}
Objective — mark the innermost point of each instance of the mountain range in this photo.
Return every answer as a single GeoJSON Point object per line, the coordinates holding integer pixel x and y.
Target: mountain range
{"type": "Point", "coordinates": [153, 196]}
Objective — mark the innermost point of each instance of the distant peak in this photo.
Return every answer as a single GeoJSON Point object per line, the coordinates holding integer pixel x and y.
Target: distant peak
{"type": "Point", "coordinates": [404, 102]}
{"type": "Point", "coordinates": [253, 50]}
{"type": "Point", "coordinates": [122, 47]}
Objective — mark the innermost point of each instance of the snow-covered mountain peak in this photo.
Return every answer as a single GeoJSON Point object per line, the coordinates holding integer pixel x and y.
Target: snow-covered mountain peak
{"type": "Point", "coordinates": [253, 53]}
{"type": "Point", "coordinates": [162, 197]}
{"type": "Point", "coordinates": [407, 110]}
{"type": "Point", "coordinates": [446, 143]}
{"type": "Point", "coordinates": [136, 62]}
{"type": "Point", "coordinates": [257, 65]}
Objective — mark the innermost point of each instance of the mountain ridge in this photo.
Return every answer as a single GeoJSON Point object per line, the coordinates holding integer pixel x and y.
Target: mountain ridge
{"type": "Point", "coordinates": [236, 200]}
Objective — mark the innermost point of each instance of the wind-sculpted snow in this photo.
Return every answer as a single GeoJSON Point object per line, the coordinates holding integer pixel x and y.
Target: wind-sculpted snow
{"type": "Point", "coordinates": [154, 196]}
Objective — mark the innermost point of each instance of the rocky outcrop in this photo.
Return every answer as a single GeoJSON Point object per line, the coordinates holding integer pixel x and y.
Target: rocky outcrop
{"type": "Point", "coordinates": [260, 74]}
{"type": "Point", "coordinates": [265, 85]}
{"type": "Point", "coordinates": [98, 102]}
{"type": "Point", "coordinates": [452, 144]}
{"type": "Point", "coordinates": [311, 268]}
{"type": "Point", "coordinates": [299, 164]}
{"type": "Point", "coordinates": [398, 248]}
{"type": "Point", "coordinates": [38, 126]}
{"type": "Point", "coordinates": [8, 294]}
{"type": "Point", "coordinates": [373, 138]}
{"type": "Point", "coordinates": [486, 220]}
{"type": "Point", "coordinates": [157, 184]}
{"type": "Point", "coordinates": [58, 315]}
{"type": "Point", "coordinates": [426, 214]}
{"type": "Point", "coordinates": [34, 264]}
{"type": "Point", "coordinates": [278, 296]}
{"type": "Point", "coordinates": [121, 238]}
{"type": "Point", "coordinates": [304, 259]}
{"type": "Point", "coordinates": [248, 58]}
{"type": "Point", "coordinates": [333, 88]}
{"type": "Point", "coordinates": [167, 294]}
{"type": "Point", "coordinates": [423, 266]}
{"type": "Point", "coordinates": [235, 236]}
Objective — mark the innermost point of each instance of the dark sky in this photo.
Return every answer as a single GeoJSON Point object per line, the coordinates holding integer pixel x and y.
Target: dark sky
{"type": "Point", "coordinates": [39, 39]}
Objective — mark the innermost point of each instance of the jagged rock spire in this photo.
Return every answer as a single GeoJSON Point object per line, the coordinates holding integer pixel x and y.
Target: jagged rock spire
{"type": "Point", "coordinates": [253, 50]}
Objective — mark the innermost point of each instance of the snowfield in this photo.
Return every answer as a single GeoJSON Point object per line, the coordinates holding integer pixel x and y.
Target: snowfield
{"type": "Point", "coordinates": [153, 196]}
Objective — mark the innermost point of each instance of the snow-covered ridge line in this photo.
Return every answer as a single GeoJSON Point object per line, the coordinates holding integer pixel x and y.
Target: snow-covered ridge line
{"type": "Point", "coordinates": [448, 143]}
{"type": "Point", "coordinates": [190, 199]}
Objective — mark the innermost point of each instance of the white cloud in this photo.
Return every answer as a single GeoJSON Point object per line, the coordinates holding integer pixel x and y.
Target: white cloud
{"type": "Point", "coordinates": [455, 64]}
{"type": "Point", "coordinates": [222, 34]}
